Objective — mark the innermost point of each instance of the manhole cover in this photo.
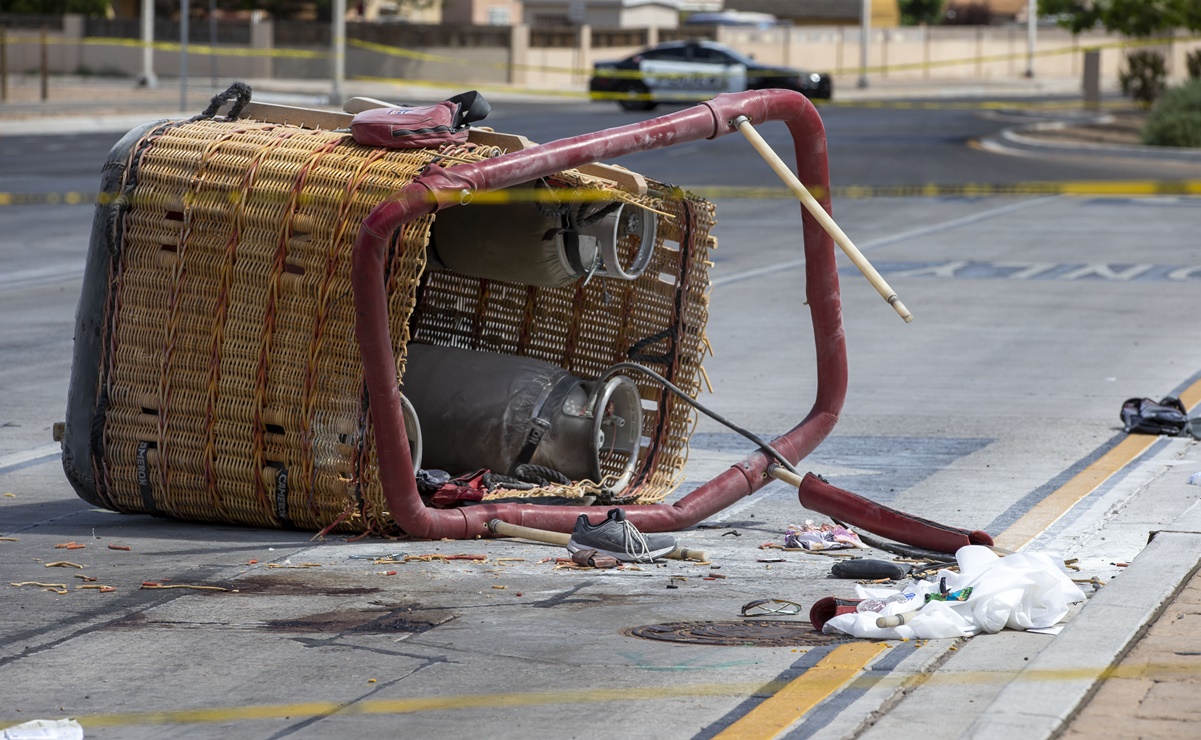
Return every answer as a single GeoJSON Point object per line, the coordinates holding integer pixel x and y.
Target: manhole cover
{"type": "Point", "coordinates": [757, 633]}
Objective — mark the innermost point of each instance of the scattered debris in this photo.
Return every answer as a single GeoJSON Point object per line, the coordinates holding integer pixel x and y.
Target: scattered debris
{"type": "Point", "coordinates": [810, 536]}
{"type": "Point", "coordinates": [870, 568]}
{"type": "Point", "coordinates": [1095, 582]}
{"type": "Point", "coordinates": [82, 577]}
{"type": "Point", "coordinates": [99, 587]}
{"type": "Point", "coordinates": [60, 588]}
{"type": "Point", "coordinates": [773, 607]}
{"type": "Point", "coordinates": [1020, 591]}
{"type": "Point", "coordinates": [10, 495]}
{"type": "Point", "coordinates": [1195, 479]}
{"type": "Point", "coordinates": [288, 565]}
{"type": "Point", "coordinates": [69, 546]}
{"type": "Point", "coordinates": [1168, 416]}
{"type": "Point", "coordinates": [64, 564]}
{"type": "Point", "coordinates": [45, 729]}
{"type": "Point", "coordinates": [827, 553]}
{"type": "Point", "coordinates": [154, 585]}
{"type": "Point", "coordinates": [428, 558]}
{"type": "Point", "coordinates": [9, 539]}
{"type": "Point", "coordinates": [734, 532]}
{"type": "Point", "coordinates": [387, 556]}
{"type": "Point", "coordinates": [499, 587]}
{"type": "Point", "coordinates": [119, 547]}
{"type": "Point", "coordinates": [592, 559]}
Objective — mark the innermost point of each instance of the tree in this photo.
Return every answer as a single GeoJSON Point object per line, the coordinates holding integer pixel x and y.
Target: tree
{"type": "Point", "coordinates": [1144, 77]}
{"type": "Point", "coordinates": [1137, 18]}
{"type": "Point", "coordinates": [55, 7]}
{"type": "Point", "coordinates": [917, 12]}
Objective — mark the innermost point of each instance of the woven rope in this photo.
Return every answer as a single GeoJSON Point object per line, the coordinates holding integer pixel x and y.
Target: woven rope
{"type": "Point", "coordinates": [232, 377]}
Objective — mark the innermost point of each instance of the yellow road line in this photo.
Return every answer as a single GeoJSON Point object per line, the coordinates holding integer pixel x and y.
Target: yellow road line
{"type": "Point", "coordinates": [780, 711]}
{"type": "Point", "coordinates": [305, 710]}
{"type": "Point", "coordinates": [1048, 511]}
{"type": "Point", "coordinates": [301, 710]}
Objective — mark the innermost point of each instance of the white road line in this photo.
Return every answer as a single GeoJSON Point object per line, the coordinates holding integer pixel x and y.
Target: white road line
{"type": "Point", "coordinates": [14, 459]}
{"type": "Point", "coordinates": [887, 240]}
{"type": "Point", "coordinates": [19, 279]}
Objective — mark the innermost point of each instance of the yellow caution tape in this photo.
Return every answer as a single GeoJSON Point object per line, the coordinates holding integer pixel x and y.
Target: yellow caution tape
{"type": "Point", "coordinates": [1076, 188]}
{"type": "Point", "coordinates": [576, 71]}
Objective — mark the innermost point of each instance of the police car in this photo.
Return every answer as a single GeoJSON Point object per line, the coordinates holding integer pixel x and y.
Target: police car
{"type": "Point", "coordinates": [690, 71]}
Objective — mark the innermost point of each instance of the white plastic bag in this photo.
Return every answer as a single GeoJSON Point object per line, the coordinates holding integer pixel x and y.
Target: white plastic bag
{"type": "Point", "coordinates": [1020, 591]}
{"type": "Point", "coordinates": [44, 729]}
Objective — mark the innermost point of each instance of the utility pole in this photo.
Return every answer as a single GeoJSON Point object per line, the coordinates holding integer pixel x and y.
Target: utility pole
{"type": "Point", "coordinates": [865, 32]}
{"type": "Point", "coordinates": [1031, 34]}
{"type": "Point", "coordinates": [339, 44]}
{"type": "Point", "coordinates": [185, 10]}
{"type": "Point", "coordinates": [148, 77]}
{"type": "Point", "coordinates": [213, 41]}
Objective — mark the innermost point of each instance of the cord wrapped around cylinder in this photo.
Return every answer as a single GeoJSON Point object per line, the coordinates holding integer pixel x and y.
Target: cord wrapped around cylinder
{"type": "Point", "coordinates": [544, 244]}
{"type": "Point", "coordinates": [487, 410]}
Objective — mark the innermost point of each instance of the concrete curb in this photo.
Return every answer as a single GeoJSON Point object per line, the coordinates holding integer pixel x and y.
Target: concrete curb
{"type": "Point", "coordinates": [1046, 695]}
{"type": "Point", "coordinates": [1016, 142]}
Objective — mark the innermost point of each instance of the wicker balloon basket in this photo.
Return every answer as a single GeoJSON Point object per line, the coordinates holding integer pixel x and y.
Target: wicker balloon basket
{"type": "Point", "coordinates": [217, 376]}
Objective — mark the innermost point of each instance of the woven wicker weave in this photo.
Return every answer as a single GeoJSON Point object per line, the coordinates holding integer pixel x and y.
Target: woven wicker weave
{"type": "Point", "coordinates": [231, 387]}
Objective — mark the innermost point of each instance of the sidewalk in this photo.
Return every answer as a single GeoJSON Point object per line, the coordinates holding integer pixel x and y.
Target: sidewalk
{"type": "Point", "coordinates": [1129, 663]}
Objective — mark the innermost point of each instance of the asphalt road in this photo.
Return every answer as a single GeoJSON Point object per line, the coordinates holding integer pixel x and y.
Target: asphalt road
{"type": "Point", "coordinates": [867, 146]}
{"type": "Point", "coordinates": [1035, 319]}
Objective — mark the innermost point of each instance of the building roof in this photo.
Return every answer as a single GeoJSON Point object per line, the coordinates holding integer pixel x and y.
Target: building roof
{"type": "Point", "coordinates": [792, 9]}
{"type": "Point", "coordinates": [608, 3]}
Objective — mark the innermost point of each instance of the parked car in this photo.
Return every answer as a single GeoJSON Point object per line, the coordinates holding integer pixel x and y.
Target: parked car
{"type": "Point", "coordinates": [690, 71]}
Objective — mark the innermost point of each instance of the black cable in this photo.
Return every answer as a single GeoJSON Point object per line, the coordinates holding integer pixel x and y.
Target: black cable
{"type": "Point", "coordinates": [895, 548]}
{"type": "Point", "coordinates": [773, 452]}
{"type": "Point", "coordinates": [885, 545]}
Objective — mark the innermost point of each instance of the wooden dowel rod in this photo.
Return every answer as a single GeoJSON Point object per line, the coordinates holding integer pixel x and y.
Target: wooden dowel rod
{"type": "Point", "coordinates": [798, 189]}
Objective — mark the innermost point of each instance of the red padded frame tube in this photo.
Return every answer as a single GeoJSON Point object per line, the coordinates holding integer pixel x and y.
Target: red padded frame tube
{"type": "Point", "coordinates": [447, 186]}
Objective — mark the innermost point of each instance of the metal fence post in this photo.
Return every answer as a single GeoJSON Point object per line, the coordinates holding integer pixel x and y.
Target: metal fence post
{"type": "Point", "coordinates": [45, 67]}
{"type": "Point", "coordinates": [1092, 78]}
{"type": "Point", "coordinates": [3, 66]}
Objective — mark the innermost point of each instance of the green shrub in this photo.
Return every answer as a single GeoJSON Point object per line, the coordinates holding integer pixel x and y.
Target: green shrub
{"type": "Point", "coordinates": [1145, 76]}
{"type": "Point", "coordinates": [1175, 120]}
{"type": "Point", "coordinates": [1174, 129]}
{"type": "Point", "coordinates": [1192, 60]}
